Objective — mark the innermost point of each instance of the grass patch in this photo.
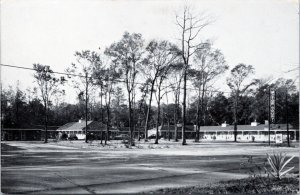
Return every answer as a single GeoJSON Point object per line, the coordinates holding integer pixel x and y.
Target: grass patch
{"type": "Point", "coordinates": [249, 185]}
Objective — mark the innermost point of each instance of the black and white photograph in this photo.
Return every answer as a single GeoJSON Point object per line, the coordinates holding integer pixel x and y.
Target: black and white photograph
{"type": "Point", "coordinates": [149, 96]}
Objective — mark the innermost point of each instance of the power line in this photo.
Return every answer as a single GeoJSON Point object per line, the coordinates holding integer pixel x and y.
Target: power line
{"type": "Point", "coordinates": [25, 68]}
{"type": "Point", "coordinates": [120, 81]}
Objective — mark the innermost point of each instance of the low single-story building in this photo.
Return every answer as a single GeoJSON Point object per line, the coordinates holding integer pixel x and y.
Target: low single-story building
{"type": "Point", "coordinates": [163, 131]}
{"type": "Point", "coordinates": [137, 131]}
{"type": "Point", "coordinates": [225, 132]}
{"type": "Point", "coordinates": [11, 134]}
{"type": "Point", "coordinates": [78, 129]}
{"type": "Point", "coordinates": [36, 133]}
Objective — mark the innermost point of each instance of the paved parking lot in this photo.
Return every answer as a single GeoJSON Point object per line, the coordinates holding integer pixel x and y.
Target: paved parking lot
{"type": "Point", "coordinates": [75, 167]}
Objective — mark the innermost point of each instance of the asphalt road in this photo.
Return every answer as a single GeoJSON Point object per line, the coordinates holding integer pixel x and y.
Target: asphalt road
{"type": "Point", "coordinates": [37, 168]}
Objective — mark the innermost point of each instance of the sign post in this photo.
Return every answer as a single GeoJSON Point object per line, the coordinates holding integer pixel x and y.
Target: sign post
{"type": "Point", "coordinates": [271, 111]}
{"type": "Point", "coordinates": [272, 105]}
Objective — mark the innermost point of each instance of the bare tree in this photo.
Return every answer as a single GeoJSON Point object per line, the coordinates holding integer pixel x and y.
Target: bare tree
{"type": "Point", "coordinates": [98, 74]}
{"type": "Point", "coordinates": [48, 85]}
{"type": "Point", "coordinates": [59, 98]}
{"type": "Point", "coordinates": [84, 81]}
{"type": "Point", "coordinates": [190, 26]}
{"type": "Point", "coordinates": [168, 115]}
{"type": "Point", "coordinates": [175, 80]}
{"type": "Point", "coordinates": [162, 76]}
{"type": "Point", "coordinates": [236, 83]}
{"type": "Point", "coordinates": [117, 101]}
{"type": "Point", "coordinates": [144, 89]}
{"type": "Point", "coordinates": [160, 55]}
{"type": "Point", "coordinates": [110, 79]}
{"type": "Point", "coordinates": [209, 63]}
{"type": "Point", "coordinates": [127, 54]}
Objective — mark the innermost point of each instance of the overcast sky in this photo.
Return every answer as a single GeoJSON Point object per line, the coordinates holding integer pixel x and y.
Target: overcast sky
{"type": "Point", "coordinates": [263, 33]}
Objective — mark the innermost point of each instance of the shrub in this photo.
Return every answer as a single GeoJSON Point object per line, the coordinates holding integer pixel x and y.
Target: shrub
{"type": "Point", "coordinates": [254, 169]}
{"type": "Point", "coordinates": [278, 163]}
{"type": "Point", "coordinates": [91, 136]}
{"type": "Point", "coordinates": [62, 136]}
{"type": "Point", "coordinates": [126, 141]}
{"type": "Point", "coordinates": [72, 137]}
{"type": "Point", "coordinates": [256, 173]}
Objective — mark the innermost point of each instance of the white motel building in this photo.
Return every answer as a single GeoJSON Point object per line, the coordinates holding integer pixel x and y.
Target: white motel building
{"type": "Point", "coordinates": [225, 132]}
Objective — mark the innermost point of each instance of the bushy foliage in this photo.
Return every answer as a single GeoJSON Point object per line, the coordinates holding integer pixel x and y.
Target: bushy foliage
{"type": "Point", "coordinates": [243, 186]}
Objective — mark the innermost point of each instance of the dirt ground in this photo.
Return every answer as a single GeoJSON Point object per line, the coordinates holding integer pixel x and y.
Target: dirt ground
{"type": "Point", "coordinates": [74, 167]}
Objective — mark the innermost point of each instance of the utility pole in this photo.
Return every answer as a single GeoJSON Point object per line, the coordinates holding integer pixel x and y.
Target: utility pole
{"type": "Point", "coordinates": [86, 106]}
{"type": "Point", "coordinates": [287, 117]}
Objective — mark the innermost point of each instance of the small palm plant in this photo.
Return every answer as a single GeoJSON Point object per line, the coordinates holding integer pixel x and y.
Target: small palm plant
{"type": "Point", "coordinates": [278, 163]}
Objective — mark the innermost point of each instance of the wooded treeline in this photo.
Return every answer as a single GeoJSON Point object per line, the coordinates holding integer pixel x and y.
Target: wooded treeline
{"type": "Point", "coordinates": [24, 109]}
{"type": "Point", "coordinates": [142, 84]}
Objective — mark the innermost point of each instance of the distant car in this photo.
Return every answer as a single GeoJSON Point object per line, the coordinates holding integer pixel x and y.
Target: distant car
{"type": "Point", "coordinates": [72, 137]}
{"type": "Point", "coordinates": [121, 137]}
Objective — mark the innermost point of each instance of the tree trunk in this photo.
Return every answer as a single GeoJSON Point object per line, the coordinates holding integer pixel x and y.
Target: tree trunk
{"type": "Point", "coordinates": [198, 121]}
{"type": "Point", "coordinates": [287, 117]}
{"type": "Point", "coordinates": [139, 132]}
{"type": "Point", "coordinates": [46, 114]}
{"type": "Point", "coordinates": [17, 108]}
{"type": "Point", "coordinates": [184, 108]}
{"type": "Point", "coordinates": [107, 125]}
{"type": "Point", "coordinates": [158, 116]}
{"type": "Point", "coordinates": [46, 122]}
{"type": "Point", "coordinates": [175, 121]}
{"type": "Point", "coordinates": [102, 117]}
{"type": "Point", "coordinates": [176, 118]}
{"type": "Point", "coordinates": [86, 108]}
{"type": "Point", "coordinates": [133, 114]}
{"type": "Point", "coordinates": [201, 113]}
{"type": "Point", "coordinates": [130, 120]}
{"type": "Point", "coordinates": [235, 118]}
{"type": "Point", "coordinates": [139, 119]}
{"type": "Point", "coordinates": [169, 135]}
{"type": "Point", "coordinates": [148, 112]}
